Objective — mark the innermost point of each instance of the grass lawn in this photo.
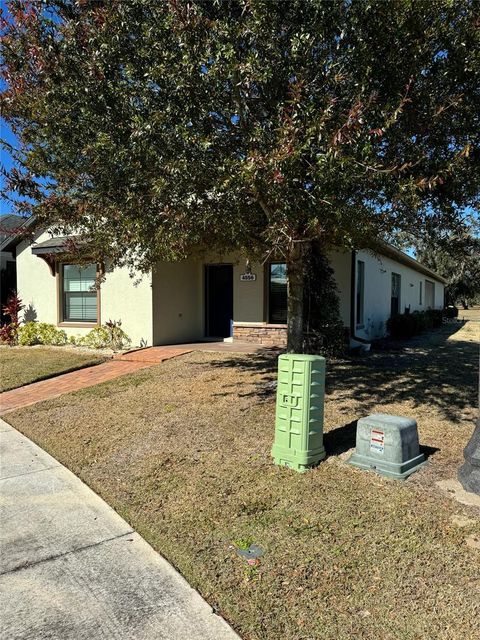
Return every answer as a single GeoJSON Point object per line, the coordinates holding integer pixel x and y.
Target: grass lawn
{"type": "Point", "coordinates": [22, 365]}
{"type": "Point", "coordinates": [182, 451]}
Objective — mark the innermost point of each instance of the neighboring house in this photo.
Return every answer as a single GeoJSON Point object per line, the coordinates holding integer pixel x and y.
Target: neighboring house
{"type": "Point", "coordinates": [220, 297]}
{"type": "Point", "coordinates": [9, 226]}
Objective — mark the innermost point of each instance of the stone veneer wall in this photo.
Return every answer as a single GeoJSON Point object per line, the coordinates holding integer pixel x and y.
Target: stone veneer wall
{"type": "Point", "coordinates": [270, 335]}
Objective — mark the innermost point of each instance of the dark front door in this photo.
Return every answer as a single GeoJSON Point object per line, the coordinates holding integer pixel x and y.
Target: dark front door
{"type": "Point", "coordinates": [219, 299]}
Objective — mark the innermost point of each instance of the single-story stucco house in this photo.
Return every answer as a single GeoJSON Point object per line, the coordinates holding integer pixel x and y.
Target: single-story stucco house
{"type": "Point", "coordinates": [220, 297]}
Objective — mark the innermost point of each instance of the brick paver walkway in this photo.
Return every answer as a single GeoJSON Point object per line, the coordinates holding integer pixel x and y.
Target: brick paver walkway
{"type": "Point", "coordinates": [54, 387]}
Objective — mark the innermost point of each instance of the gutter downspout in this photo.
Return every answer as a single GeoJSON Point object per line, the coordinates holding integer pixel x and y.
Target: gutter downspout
{"type": "Point", "coordinates": [353, 280]}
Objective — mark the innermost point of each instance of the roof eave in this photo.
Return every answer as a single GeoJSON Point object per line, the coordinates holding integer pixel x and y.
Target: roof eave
{"type": "Point", "coordinates": [396, 254]}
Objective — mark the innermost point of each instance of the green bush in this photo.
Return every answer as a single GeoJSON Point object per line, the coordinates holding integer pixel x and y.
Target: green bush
{"type": "Point", "coordinates": [49, 334]}
{"type": "Point", "coordinates": [108, 336]}
{"type": "Point", "coordinates": [41, 333]}
{"type": "Point", "coordinates": [97, 338]}
{"type": "Point", "coordinates": [407, 325]}
{"type": "Point", "coordinates": [28, 334]}
{"type": "Point", "coordinates": [434, 317]}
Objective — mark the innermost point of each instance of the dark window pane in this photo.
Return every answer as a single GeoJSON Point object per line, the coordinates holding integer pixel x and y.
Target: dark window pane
{"type": "Point", "coordinates": [79, 293]}
{"type": "Point", "coordinates": [360, 290]}
{"type": "Point", "coordinates": [396, 292]}
{"type": "Point", "coordinates": [277, 298]}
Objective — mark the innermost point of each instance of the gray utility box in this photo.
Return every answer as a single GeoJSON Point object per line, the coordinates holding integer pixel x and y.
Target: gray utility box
{"type": "Point", "coordinates": [388, 445]}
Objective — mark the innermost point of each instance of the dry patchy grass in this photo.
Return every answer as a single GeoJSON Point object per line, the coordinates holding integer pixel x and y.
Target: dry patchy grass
{"type": "Point", "coordinates": [181, 450]}
{"type": "Point", "coordinates": [23, 365]}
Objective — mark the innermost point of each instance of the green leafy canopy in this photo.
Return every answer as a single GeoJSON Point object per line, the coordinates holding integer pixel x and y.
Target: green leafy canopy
{"type": "Point", "coordinates": [160, 127]}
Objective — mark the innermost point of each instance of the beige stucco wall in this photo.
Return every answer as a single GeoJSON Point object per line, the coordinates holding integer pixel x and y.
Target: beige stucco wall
{"type": "Point", "coordinates": [120, 298]}
{"type": "Point", "coordinates": [341, 262]}
{"type": "Point", "coordinates": [129, 300]}
{"type": "Point", "coordinates": [168, 305]}
{"type": "Point", "coordinates": [378, 278]}
{"type": "Point", "coordinates": [179, 297]}
{"type": "Point", "coordinates": [177, 302]}
{"type": "Point", "coordinates": [248, 297]}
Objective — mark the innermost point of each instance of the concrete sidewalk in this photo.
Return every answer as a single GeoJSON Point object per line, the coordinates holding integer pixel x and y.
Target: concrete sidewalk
{"type": "Point", "coordinates": [71, 568]}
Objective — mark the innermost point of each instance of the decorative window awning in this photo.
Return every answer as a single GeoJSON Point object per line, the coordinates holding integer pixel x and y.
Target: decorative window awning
{"type": "Point", "coordinates": [49, 250]}
{"type": "Point", "coordinates": [57, 245]}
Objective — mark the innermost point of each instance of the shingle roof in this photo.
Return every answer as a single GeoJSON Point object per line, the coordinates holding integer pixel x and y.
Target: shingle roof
{"type": "Point", "coordinates": [11, 228]}
{"type": "Point", "coordinates": [53, 245]}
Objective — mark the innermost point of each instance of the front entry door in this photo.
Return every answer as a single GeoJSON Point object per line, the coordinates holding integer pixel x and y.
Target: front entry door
{"type": "Point", "coordinates": [219, 300]}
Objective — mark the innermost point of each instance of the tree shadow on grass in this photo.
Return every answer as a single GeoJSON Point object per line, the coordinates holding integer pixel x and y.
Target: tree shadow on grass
{"type": "Point", "coordinates": [263, 362]}
{"type": "Point", "coordinates": [429, 370]}
{"type": "Point", "coordinates": [440, 373]}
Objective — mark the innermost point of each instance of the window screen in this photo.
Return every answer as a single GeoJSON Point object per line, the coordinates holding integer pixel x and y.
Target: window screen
{"type": "Point", "coordinates": [79, 293]}
{"type": "Point", "coordinates": [277, 293]}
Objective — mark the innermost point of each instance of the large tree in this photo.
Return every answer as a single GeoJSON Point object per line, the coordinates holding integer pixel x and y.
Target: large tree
{"type": "Point", "coordinates": [454, 254]}
{"type": "Point", "coordinates": [156, 128]}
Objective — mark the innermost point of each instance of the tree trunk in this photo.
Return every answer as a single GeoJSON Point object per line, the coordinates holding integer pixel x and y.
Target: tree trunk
{"type": "Point", "coordinates": [295, 289]}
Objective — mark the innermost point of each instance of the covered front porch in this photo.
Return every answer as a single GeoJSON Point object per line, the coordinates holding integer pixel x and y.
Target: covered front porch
{"type": "Point", "coordinates": [220, 299]}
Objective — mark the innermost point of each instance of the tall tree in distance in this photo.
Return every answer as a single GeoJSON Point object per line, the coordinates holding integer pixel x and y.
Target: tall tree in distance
{"type": "Point", "coordinates": [156, 128]}
{"type": "Point", "coordinates": [455, 255]}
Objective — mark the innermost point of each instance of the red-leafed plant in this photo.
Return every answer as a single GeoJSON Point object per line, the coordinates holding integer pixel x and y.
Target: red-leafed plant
{"type": "Point", "coordinates": [9, 330]}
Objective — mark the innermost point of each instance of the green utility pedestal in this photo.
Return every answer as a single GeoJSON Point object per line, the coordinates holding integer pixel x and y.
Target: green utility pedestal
{"type": "Point", "coordinates": [299, 417]}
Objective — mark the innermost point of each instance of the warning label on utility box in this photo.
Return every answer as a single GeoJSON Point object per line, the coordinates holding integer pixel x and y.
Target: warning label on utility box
{"type": "Point", "coordinates": [377, 441]}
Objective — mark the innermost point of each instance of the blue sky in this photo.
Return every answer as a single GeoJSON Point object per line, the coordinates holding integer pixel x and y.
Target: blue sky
{"type": "Point", "coordinates": [6, 161]}
{"type": "Point", "coordinates": [7, 135]}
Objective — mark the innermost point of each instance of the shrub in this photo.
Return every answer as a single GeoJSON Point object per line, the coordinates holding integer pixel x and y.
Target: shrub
{"type": "Point", "coordinates": [434, 317]}
{"type": "Point", "coordinates": [323, 330]}
{"type": "Point", "coordinates": [49, 334]}
{"type": "Point", "coordinates": [118, 337]}
{"type": "Point", "coordinates": [97, 338]}
{"type": "Point", "coordinates": [9, 330]}
{"type": "Point", "coordinates": [108, 336]}
{"type": "Point", "coordinates": [28, 334]}
{"type": "Point", "coordinates": [41, 333]}
{"type": "Point", "coordinates": [8, 333]}
{"type": "Point", "coordinates": [407, 325]}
